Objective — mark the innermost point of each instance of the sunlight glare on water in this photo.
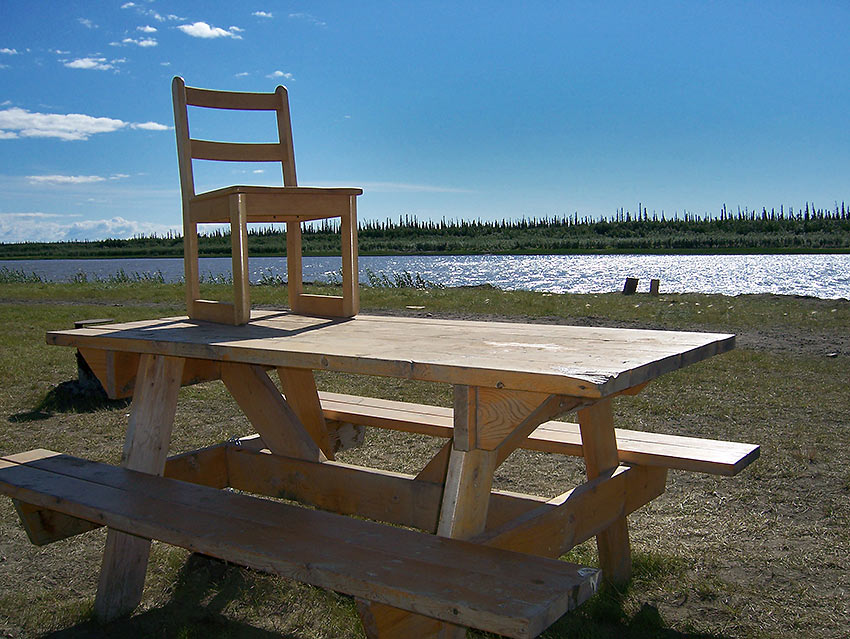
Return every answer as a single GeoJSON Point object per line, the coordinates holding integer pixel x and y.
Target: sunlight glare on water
{"type": "Point", "coordinates": [825, 276]}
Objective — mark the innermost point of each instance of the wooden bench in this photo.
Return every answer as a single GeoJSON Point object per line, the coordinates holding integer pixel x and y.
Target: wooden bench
{"type": "Point", "coordinates": [635, 447]}
{"type": "Point", "coordinates": [468, 584]}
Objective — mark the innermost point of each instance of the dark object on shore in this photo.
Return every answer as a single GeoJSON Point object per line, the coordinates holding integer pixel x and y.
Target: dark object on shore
{"type": "Point", "coordinates": [653, 286]}
{"type": "Point", "coordinates": [630, 286]}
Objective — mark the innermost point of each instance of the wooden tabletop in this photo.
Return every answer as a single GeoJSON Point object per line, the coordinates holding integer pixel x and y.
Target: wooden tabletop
{"type": "Point", "coordinates": [569, 360]}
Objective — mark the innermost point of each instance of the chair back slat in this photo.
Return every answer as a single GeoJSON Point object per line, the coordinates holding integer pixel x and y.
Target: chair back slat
{"type": "Point", "coordinates": [237, 152]}
{"type": "Point", "coordinates": [232, 100]}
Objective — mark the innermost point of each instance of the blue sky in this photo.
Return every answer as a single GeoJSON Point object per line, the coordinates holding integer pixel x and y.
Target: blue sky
{"type": "Point", "coordinates": [455, 109]}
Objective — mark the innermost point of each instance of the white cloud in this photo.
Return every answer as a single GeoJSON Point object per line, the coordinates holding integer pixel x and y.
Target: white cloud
{"type": "Point", "coordinates": [262, 14]}
{"type": "Point", "coordinates": [309, 18]}
{"type": "Point", "coordinates": [259, 171]}
{"type": "Point", "coordinates": [58, 51]}
{"type": "Point", "coordinates": [17, 122]}
{"type": "Point", "coordinates": [97, 64]}
{"type": "Point", "coordinates": [50, 227]}
{"type": "Point", "coordinates": [20, 123]}
{"type": "Point", "coordinates": [65, 179]}
{"type": "Point", "coordinates": [242, 74]}
{"type": "Point", "coordinates": [87, 23]}
{"type": "Point", "coordinates": [142, 42]}
{"type": "Point", "coordinates": [146, 29]}
{"type": "Point", "coordinates": [281, 74]}
{"type": "Point", "coordinates": [204, 30]}
{"type": "Point", "coordinates": [8, 51]}
{"type": "Point", "coordinates": [128, 5]}
{"type": "Point", "coordinates": [150, 126]}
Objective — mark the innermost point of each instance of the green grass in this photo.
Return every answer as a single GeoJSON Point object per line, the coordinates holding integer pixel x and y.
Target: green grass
{"type": "Point", "coordinates": [762, 554]}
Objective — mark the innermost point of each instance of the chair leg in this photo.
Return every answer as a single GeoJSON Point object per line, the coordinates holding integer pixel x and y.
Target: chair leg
{"type": "Point", "coordinates": [190, 265]}
{"type": "Point", "coordinates": [293, 264]}
{"type": "Point", "coordinates": [239, 241]}
{"type": "Point", "coordinates": [350, 273]}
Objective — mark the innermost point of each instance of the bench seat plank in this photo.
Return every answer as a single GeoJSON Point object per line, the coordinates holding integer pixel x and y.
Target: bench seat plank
{"type": "Point", "coordinates": [495, 590]}
{"type": "Point", "coordinates": [635, 447]}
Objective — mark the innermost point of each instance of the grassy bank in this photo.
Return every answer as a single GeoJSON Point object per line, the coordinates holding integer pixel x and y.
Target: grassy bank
{"type": "Point", "coordinates": [763, 554]}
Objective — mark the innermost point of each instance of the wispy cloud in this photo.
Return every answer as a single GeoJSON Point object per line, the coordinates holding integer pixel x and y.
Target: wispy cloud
{"type": "Point", "coordinates": [150, 12]}
{"type": "Point", "coordinates": [281, 74]}
{"type": "Point", "coordinates": [20, 123]}
{"type": "Point", "coordinates": [8, 51]}
{"type": "Point", "coordinates": [204, 30]}
{"type": "Point", "coordinates": [308, 18]}
{"type": "Point", "coordinates": [262, 14]}
{"type": "Point", "coordinates": [146, 29]}
{"type": "Point", "coordinates": [51, 227]}
{"type": "Point", "coordinates": [243, 74]}
{"type": "Point", "coordinates": [94, 64]}
{"type": "Point", "coordinates": [73, 179]}
{"type": "Point", "coordinates": [142, 42]}
{"type": "Point", "coordinates": [88, 24]}
{"type": "Point", "coordinates": [150, 126]}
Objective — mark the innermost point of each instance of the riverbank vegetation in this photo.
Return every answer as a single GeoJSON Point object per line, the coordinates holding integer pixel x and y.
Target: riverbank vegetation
{"type": "Point", "coordinates": [743, 231]}
{"type": "Point", "coordinates": [762, 554]}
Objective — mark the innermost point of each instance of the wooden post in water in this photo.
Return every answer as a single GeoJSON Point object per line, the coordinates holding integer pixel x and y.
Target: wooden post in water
{"type": "Point", "coordinates": [630, 286]}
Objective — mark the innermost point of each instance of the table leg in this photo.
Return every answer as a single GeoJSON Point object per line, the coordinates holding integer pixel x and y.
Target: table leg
{"type": "Point", "coordinates": [125, 559]}
{"type": "Point", "coordinates": [599, 444]}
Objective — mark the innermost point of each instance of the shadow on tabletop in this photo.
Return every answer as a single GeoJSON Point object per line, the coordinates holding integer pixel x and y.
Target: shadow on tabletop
{"type": "Point", "coordinates": [72, 396]}
{"type": "Point", "coordinates": [204, 588]}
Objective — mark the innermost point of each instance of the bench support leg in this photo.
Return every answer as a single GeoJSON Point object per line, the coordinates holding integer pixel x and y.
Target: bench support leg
{"type": "Point", "coordinates": [599, 444]}
{"type": "Point", "coordinates": [125, 560]}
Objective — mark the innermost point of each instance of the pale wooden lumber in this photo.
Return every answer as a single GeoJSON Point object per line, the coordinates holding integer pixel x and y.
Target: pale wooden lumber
{"type": "Point", "coordinates": [599, 445]}
{"type": "Point", "coordinates": [263, 405]}
{"type": "Point", "coordinates": [125, 558]}
{"type": "Point", "coordinates": [495, 590]}
{"type": "Point", "coordinates": [381, 495]}
{"type": "Point", "coordinates": [299, 389]}
{"type": "Point", "coordinates": [44, 526]}
{"type": "Point", "coordinates": [565, 521]}
{"type": "Point", "coordinates": [116, 370]}
{"type": "Point", "coordinates": [577, 361]}
{"type": "Point", "coordinates": [239, 205]}
{"type": "Point", "coordinates": [694, 454]}
{"type": "Point", "coordinates": [239, 259]}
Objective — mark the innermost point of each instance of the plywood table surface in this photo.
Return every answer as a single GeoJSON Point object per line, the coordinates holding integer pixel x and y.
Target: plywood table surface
{"type": "Point", "coordinates": [571, 360]}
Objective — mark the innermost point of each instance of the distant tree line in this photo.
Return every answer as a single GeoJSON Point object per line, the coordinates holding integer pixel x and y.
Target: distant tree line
{"type": "Point", "coordinates": [807, 229]}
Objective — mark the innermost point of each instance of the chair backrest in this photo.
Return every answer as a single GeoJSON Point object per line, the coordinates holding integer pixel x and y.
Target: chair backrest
{"type": "Point", "coordinates": [189, 148]}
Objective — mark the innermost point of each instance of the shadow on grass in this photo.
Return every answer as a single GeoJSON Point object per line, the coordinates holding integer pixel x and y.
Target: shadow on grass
{"type": "Point", "coordinates": [204, 588]}
{"type": "Point", "coordinates": [604, 617]}
{"type": "Point", "coordinates": [607, 614]}
{"type": "Point", "coordinates": [72, 396]}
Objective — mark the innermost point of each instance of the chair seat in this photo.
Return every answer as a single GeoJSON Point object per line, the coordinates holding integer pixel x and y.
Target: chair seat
{"type": "Point", "coordinates": [273, 203]}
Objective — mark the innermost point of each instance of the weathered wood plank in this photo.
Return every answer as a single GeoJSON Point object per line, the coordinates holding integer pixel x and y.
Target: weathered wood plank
{"type": "Point", "coordinates": [634, 447]}
{"type": "Point", "coordinates": [299, 389]}
{"type": "Point", "coordinates": [600, 455]}
{"type": "Point", "coordinates": [495, 590]}
{"type": "Point", "coordinates": [264, 406]}
{"type": "Point", "coordinates": [125, 558]}
{"type": "Point", "coordinates": [376, 494]}
{"type": "Point", "coordinates": [567, 360]}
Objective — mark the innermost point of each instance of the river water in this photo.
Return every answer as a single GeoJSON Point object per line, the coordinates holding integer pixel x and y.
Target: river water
{"type": "Point", "coordinates": [824, 276]}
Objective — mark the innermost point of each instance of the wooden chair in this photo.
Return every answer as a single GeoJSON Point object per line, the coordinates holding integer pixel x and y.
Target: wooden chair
{"type": "Point", "coordinates": [241, 205]}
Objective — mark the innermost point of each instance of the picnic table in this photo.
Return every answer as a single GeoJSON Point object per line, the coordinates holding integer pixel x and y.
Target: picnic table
{"type": "Point", "coordinates": [493, 562]}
